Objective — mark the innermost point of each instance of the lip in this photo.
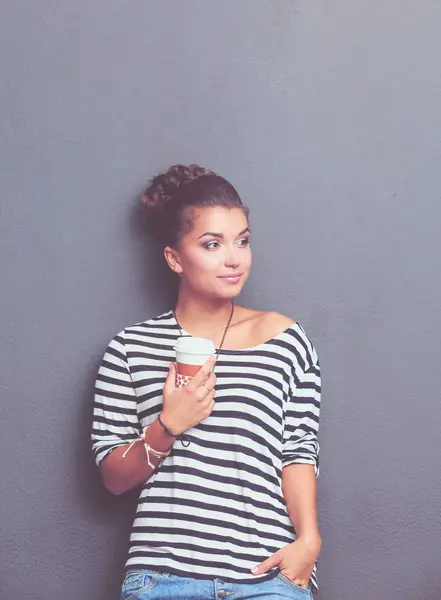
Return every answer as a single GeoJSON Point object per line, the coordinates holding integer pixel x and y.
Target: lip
{"type": "Point", "coordinates": [232, 277]}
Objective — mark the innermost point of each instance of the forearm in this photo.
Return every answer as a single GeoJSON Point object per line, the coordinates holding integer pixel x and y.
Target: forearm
{"type": "Point", "coordinates": [299, 488]}
{"type": "Point", "coordinates": [122, 474]}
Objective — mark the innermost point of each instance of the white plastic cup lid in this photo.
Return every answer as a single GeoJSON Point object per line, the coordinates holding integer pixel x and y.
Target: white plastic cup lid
{"type": "Point", "coordinates": [193, 351]}
{"type": "Point", "coordinates": [195, 345]}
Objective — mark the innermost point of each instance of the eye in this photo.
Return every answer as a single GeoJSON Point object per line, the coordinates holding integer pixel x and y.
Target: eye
{"type": "Point", "coordinates": [211, 245]}
{"type": "Point", "coordinates": [244, 242]}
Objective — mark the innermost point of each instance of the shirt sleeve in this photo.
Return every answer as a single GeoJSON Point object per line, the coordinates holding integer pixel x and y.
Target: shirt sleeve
{"type": "Point", "coordinates": [115, 418]}
{"type": "Point", "coordinates": [300, 443]}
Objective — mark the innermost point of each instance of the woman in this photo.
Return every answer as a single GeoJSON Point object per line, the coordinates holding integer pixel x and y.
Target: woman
{"type": "Point", "coordinates": [227, 465]}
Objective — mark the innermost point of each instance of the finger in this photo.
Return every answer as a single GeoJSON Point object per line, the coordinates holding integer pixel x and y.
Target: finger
{"type": "Point", "coordinates": [208, 401]}
{"type": "Point", "coordinates": [207, 391]}
{"type": "Point", "coordinates": [204, 395]}
{"type": "Point", "coordinates": [205, 388]}
{"type": "Point", "coordinates": [210, 398]}
{"type": "Point", "coordinates": [170, 382]}
{"type": "Point", "coordinates": [201, 375]}
{"type": "Point", "coordinates": [208, 408]}
{"type": "Point", "coordinates": [210, 381]}
{"type": "Point", "coordinates": [267, 564]}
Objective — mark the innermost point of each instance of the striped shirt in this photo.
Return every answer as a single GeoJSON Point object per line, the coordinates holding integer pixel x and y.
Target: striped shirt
{"type": "Point", "coordinates": [214, 508]}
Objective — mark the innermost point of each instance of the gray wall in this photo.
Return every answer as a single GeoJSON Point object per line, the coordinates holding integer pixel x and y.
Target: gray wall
{"type": "Point", "coordinates": [326, 115]}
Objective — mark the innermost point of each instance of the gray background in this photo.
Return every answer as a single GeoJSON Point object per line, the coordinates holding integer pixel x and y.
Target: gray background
{"type": "Point", "coordinates": [326, 116]}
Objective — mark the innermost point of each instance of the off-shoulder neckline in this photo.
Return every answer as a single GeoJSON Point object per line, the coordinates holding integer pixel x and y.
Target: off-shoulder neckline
{"type": "Point", "coordinates": [294, 325]}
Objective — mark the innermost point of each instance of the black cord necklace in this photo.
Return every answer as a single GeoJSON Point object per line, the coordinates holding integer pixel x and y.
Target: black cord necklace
{"type": "Point", "coordinates": [223, 337]}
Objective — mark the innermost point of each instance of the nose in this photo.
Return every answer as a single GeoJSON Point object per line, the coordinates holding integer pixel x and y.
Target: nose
{"type": "Point", "coordinates": [232, 260]}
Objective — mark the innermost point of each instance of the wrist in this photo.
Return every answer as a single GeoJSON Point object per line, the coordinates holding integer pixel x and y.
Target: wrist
{"type": "Point", "coordinates": [168, 427]}
{"type": "Point", "coordinates": [311, 539]}
{"type": "Point", "coordinates": [155, 436]}
{"type": "Point", "coordinates": [172, 434]}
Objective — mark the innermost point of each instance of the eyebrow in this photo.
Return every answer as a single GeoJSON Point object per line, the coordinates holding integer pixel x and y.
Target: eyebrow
{"type": "Point", "coordinates": [220, 235]}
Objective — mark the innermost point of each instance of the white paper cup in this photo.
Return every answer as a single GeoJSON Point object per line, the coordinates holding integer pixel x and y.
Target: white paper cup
{"type": "Point", "coordinates": [191, 354]}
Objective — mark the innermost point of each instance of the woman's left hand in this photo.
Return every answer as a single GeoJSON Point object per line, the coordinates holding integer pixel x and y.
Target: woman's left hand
{"type": "Point", "coordinates": [295, 561]}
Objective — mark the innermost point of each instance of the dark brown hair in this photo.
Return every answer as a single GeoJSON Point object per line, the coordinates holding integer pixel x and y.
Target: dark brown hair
{"type": "Point", "coordinates": [170, 197]}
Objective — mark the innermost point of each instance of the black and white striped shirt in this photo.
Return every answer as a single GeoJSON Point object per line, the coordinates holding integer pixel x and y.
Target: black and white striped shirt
{"type": "Point", "coordinates": [215, 508]}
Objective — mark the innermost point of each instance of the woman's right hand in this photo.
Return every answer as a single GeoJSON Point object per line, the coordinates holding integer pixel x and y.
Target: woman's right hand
{"type": "Point", "coordinates": [187, 406]}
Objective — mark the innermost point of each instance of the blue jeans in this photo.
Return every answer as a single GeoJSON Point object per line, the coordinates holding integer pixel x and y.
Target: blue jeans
{"type": "Point", "coordinates": [147, 584]}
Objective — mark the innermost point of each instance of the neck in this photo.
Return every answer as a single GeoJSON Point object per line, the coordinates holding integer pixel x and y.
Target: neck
{"type": "Point", "coordinates": [202, 316]}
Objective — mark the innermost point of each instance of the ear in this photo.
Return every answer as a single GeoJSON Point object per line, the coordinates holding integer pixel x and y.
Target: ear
{"type": "Point", "coordinates": [172, 258]}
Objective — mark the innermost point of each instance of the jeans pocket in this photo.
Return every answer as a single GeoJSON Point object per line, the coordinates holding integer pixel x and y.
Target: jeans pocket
{"type": "Point", "coordinates": [136, 583]}
{"type": "Point", "coordinates": [298, 588]}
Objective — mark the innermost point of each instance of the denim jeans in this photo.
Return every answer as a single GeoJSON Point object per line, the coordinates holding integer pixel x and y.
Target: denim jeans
{"type": "Point", "coordinates": [147, 584]}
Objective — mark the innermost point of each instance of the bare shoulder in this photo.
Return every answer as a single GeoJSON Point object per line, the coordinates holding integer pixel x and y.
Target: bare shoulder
{"type": "Point", "coordinates": [265, 324]}
{"type": "Point", "coordinates": [274, 323]}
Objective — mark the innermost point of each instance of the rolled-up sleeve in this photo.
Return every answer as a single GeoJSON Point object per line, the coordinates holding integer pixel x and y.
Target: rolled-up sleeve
{"type": "Point", "coordinates": [300, 443]}
{"type": "Point", "coordinates": [115, 419]}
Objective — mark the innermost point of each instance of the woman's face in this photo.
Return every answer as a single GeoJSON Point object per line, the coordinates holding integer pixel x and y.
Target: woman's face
{"type": "Point", "coordinates": [214, 258]}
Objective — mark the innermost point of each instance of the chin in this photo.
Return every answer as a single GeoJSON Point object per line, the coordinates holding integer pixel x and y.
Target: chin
{"type": "Point", "coordinates": [224, 292]}
{"type": "Point", "coordinates": [230, 294]}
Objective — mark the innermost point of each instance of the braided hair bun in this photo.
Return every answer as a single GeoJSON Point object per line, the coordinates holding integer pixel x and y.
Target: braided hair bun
{"type": "Point", "coordinates": [169, 197]}
{"type": "Point", "coordinates": [164, 186]}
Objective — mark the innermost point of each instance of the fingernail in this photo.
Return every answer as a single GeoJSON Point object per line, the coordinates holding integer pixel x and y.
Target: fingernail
{"type": "Point", "coordinates": [255, 570]}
